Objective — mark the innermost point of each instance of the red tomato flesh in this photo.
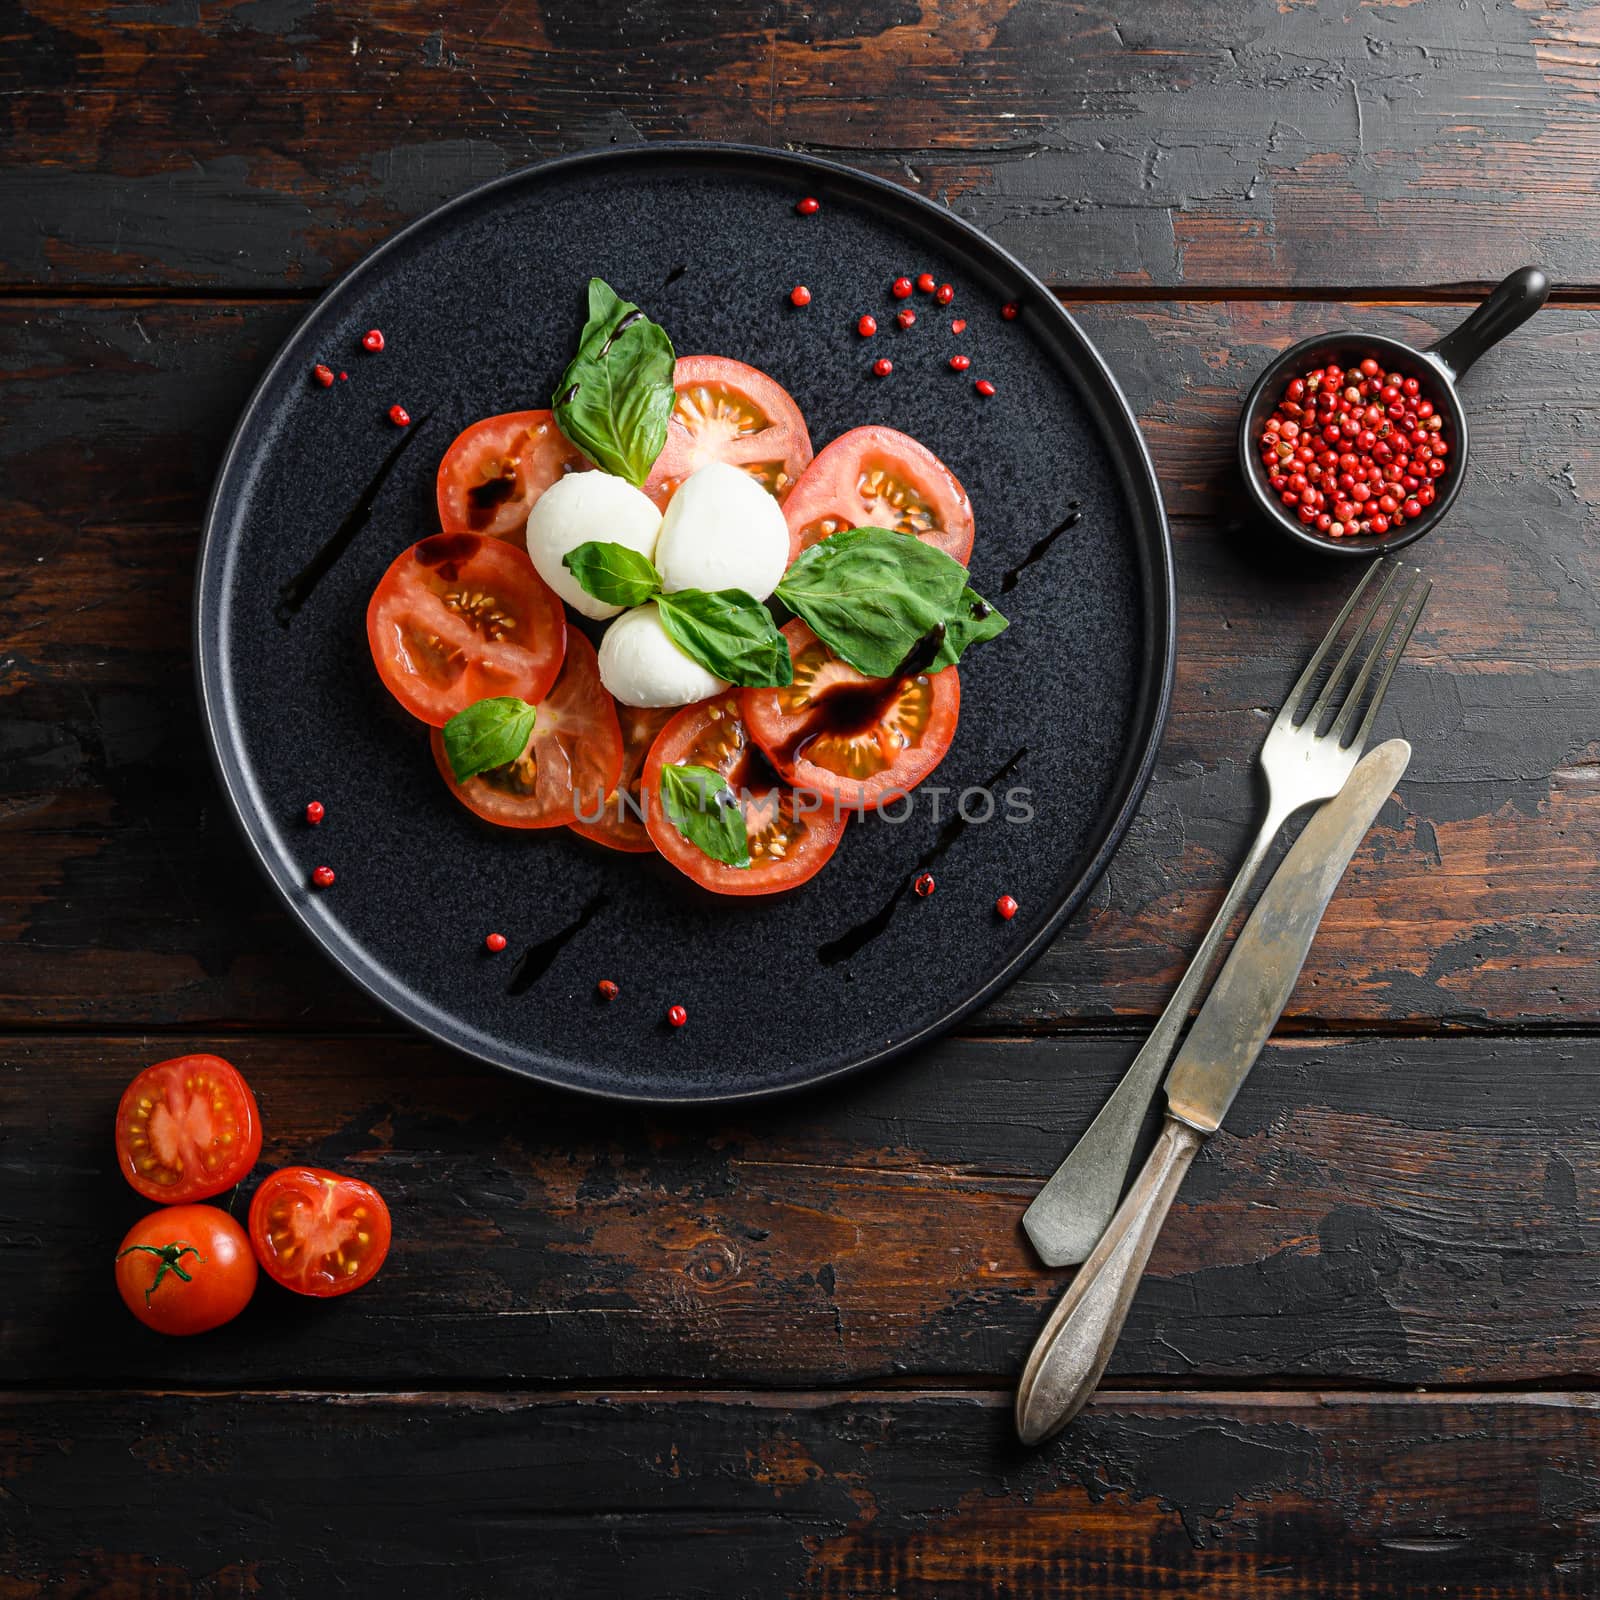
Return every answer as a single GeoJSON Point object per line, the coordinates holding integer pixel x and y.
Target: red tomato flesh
{"type": "Point", "coordinates": [187, 1128]}
{"type": "Point", "coordinates": [788, 842]}
{"type": "Point", "coordinates": [726, 411]}
{"type": "Point", "coordinates": [878, 478]}
{"type": "Point", "coordinates": [619, 826]}
{"type": "Point", "coordinates": [461, 617]}
{"type": "Point", "coordinates": [317, 1232]}
{"type": "Point", "coordinates": [495, 470]}
{"type": "Point", "coordinates": [858, 740]}
{"type": "Point", "coordinates": [572, 761]}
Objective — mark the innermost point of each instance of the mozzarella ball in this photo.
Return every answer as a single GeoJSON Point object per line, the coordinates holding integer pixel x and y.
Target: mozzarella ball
{"type": "Point", "coordinates": [722, 530]}
{"type": "Point", "coordinates": [581, 507]}
{"type": "Point", "coordinates": [641, 666]}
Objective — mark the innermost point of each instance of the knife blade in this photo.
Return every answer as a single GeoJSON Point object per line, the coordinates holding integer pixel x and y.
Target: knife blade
{"type": "Point", "coordinates": [1071, 1353]}
{"type": "Point", "coordinates": [1265, 962]}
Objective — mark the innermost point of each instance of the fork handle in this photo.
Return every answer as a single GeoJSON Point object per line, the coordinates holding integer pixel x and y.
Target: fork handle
{"type": "Point", "coordinates": [1071, 1211]}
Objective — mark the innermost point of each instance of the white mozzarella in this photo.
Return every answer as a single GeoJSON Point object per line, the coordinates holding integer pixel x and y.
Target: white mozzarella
{"type": "Point", "coordinates": [722, 530]}
{"type": "Point", "coordinates": [641, 666]}
{"type": "Point", "coordinates": [581, 507]}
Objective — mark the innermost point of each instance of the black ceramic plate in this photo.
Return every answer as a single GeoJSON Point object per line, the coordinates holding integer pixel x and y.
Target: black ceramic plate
{"type": "Point", "coordinates": [481, 303]}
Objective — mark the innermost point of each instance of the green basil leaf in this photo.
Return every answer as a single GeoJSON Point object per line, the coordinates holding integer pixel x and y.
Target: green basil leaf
{"type": "Point", "coordinates": [728, 633]}
{"type": "Point", "coordinates": [972, 621]}
{"type": "Point", "coordinates": [489, 733]}
{"type": "Point", "coordinates": [615, 573]}
{"type": "Point", "coordinates": [705, 810]}
{"type": "Point", "coordinates": [870, 594]}
{"type": "Point", "coordinates": [616, 395]}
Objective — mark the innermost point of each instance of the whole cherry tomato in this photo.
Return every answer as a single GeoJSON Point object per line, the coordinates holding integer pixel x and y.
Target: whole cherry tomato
{"type": "Point", "coordinates": [185, 1269]}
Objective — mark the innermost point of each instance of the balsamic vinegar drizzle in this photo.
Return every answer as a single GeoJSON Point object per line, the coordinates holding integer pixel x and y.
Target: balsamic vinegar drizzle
{"type": "Point", "coordinates": [1073, 517]}
{"type": "Point", "coordinates": [537, 959]}
{"type": "Point", "coordinates": [636, 315]}
{"type": "Point", "coordinates": [294, 594]}
{"type": "Point", "coordinates": [920, 656]}
{"type": "Point", "coordinates": [673, 276]}
{"type": "Point", "coordinates": [853, 940]}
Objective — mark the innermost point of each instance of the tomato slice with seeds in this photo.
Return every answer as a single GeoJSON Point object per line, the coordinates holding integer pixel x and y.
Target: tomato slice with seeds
{"type": "Point", "coordinates": [726, 411]}
{"type": "Point", "coordinates": [460, 617]}
{"type": "Point", "coordinates": [620, 826]}
{"type": "Point", "coordinates": [572, 761]}
{"type": "Point", "coordinates": [859, 740]}
{"type": "Point", "coordinates": [318, 1232]}
{"type": "Point", "coordinates": [187, 1128]}
{"type": "Point", "coordinates": [879, 478]}
{"type": "Point", "coordinates": [495, 470]}
{"type": "Point", "coordinates": [790, 840]}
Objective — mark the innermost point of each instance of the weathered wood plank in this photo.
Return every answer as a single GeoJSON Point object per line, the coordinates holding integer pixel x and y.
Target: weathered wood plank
{"type": "Point", "coordinates": [1242, 1497]}
{"type": "Point", "coordinates": [1377, 1211]}
{"type": "Point", "coordinates": [125, 899]}
{"type": "Point", "coordinates": [254, 145]}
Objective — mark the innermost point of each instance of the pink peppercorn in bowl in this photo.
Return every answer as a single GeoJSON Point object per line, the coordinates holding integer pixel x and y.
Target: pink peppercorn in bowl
{"type": "Point", "coordinates": [1332, 397]}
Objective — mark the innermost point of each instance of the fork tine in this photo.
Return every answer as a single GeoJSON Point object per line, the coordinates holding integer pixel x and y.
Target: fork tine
{"type": "Point", "coordinates": [1309, 676]}
{"type": "Point", "coordinates": [1352, 703]}
{"type": "Point", "coordinates": [1357, 639]}
{"type": "Point", "coordinates": [1360, 740]}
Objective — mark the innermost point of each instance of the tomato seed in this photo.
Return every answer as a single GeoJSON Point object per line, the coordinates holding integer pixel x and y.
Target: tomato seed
{"type": "Point", "coordinates": [808, 207]}
{"type": "Point", "coordinates": [607, 990]}
{"type": "Point", "coordinates": [1010, 310]}
{"type": "Point", "coordinates": [1006, 907]}
{"type": "Point", "coordinates": [923, 884]}
{"type": "Point", "coordinates": [799, 295]}
{"type": "Point", "coordinates": [314, 812]}
{"type": "Point", "coordinates": [372, 340]}
{"type": "Point", "coordinates": [867, 326]}
{"type": "Point", "coordinates": [323, 877]}
{"type": "Point", "coordinates": [901, 288]}
{"type": "Point", "coordinates": [905, 316]}
{"type": "Point", "coordinates": [399, 416]}
{"type": "Point", "coordinates": [323, 375]}
{"type": "Point", "coordinates": [960, 363]}
{"type": "Point", "coordinates": [944, 294]}
{"type": "Point", "coordinates": [984, 387]}
{"type": "Point", "coordinates": [494, 943]}
{"type": "Point", "coordinates": [677, 1016]}
{"type": "Point", "coordinates": [882, 367]}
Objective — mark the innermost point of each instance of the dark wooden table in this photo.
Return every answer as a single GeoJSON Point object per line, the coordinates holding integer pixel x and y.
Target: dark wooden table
{"type": "Point", "coordinates": [771, 1353]}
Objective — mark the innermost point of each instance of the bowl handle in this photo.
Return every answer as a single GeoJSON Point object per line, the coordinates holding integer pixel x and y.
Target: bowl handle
{"type": "Point", "coordinates": [1512, 303]}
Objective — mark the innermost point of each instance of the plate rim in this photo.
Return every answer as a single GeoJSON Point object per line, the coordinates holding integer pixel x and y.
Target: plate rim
{"type": "Point", "coordinates": [1159, 603]}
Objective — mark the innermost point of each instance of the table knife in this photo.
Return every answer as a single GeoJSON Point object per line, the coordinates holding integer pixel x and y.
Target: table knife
{"type": "Point", "coordinates": [1070, 1355]}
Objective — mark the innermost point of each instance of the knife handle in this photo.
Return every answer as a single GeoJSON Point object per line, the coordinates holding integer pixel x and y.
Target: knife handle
{"type": "Point", "coordinates": [1070, 1355]}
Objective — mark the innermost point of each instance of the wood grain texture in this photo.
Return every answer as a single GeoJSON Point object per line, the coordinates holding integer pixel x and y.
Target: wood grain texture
{"type": "Point", "coordinates": [702, 1497]}
{"type": "Point", "coordinates": [126, 900]}
{"type": "Point", "coordinates": [1376, 1211]}
{"type": "Point", "coordinates": [262, 143]}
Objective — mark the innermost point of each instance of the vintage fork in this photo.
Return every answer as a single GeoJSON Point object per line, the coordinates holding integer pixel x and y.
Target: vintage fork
{"type": "Point", "coordinates": [1302, 767]}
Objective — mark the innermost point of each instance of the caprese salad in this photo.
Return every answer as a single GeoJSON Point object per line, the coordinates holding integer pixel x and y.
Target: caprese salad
{"type": "Point", "coordinates": [780, 629]}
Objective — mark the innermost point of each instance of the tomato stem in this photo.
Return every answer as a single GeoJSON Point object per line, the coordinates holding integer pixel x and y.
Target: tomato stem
{"type": "Point", "coordinates": [171, 1255]}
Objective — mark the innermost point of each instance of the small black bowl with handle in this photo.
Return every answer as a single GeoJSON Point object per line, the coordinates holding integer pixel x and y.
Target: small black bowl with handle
{"type": "Point", "coordinates": [1439, 368]}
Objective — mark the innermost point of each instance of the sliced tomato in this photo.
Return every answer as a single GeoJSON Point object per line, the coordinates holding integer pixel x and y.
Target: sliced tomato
{"type": "Point", "coordinates": [726, 411]}
{"type": "Point", "coordinates": [187, 1128]}
{"type": "Point", "coordinates": [460, 617]}
{"type": "Point", "coordinates": [573, 758]}
{"type": "Point", "coordinates": [317, 1232]}
{"type": "Point", "coordinates": [495, 470]}
{"type": "Point", "coordinates": [789, 841]}
{"type": "Point", "coordinates": [858, 740]}
{"type": "Point", "coordinates": [620, 825]}
{"type": "Point", "coordinates": [878, 478]}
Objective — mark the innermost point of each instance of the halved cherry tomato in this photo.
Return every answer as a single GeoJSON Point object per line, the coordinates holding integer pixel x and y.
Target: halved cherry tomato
{"type": "Point", "coordinates": [317, 1232]}
{"type": "Point", "coordinates": [858, 740]}
{"type": "Point", "coordinates": [789, 841]}
{"type": "Point", "coordinates": [495, 470]}
{"type": "Point", "coordinates": [726, 411]}
{"type": "Point", "coordinates": [877, 478]}
{"type": "Point", "coordinates": [460, 617]}
{"type": "Point", "coordinates": [185, 1269]}
{"type": "Point", "coordinates": [572, 761]}
{"type": "Point", "coordinates": [187, 1128]}
{"type": "Point", "coordinates": [619, 827]}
